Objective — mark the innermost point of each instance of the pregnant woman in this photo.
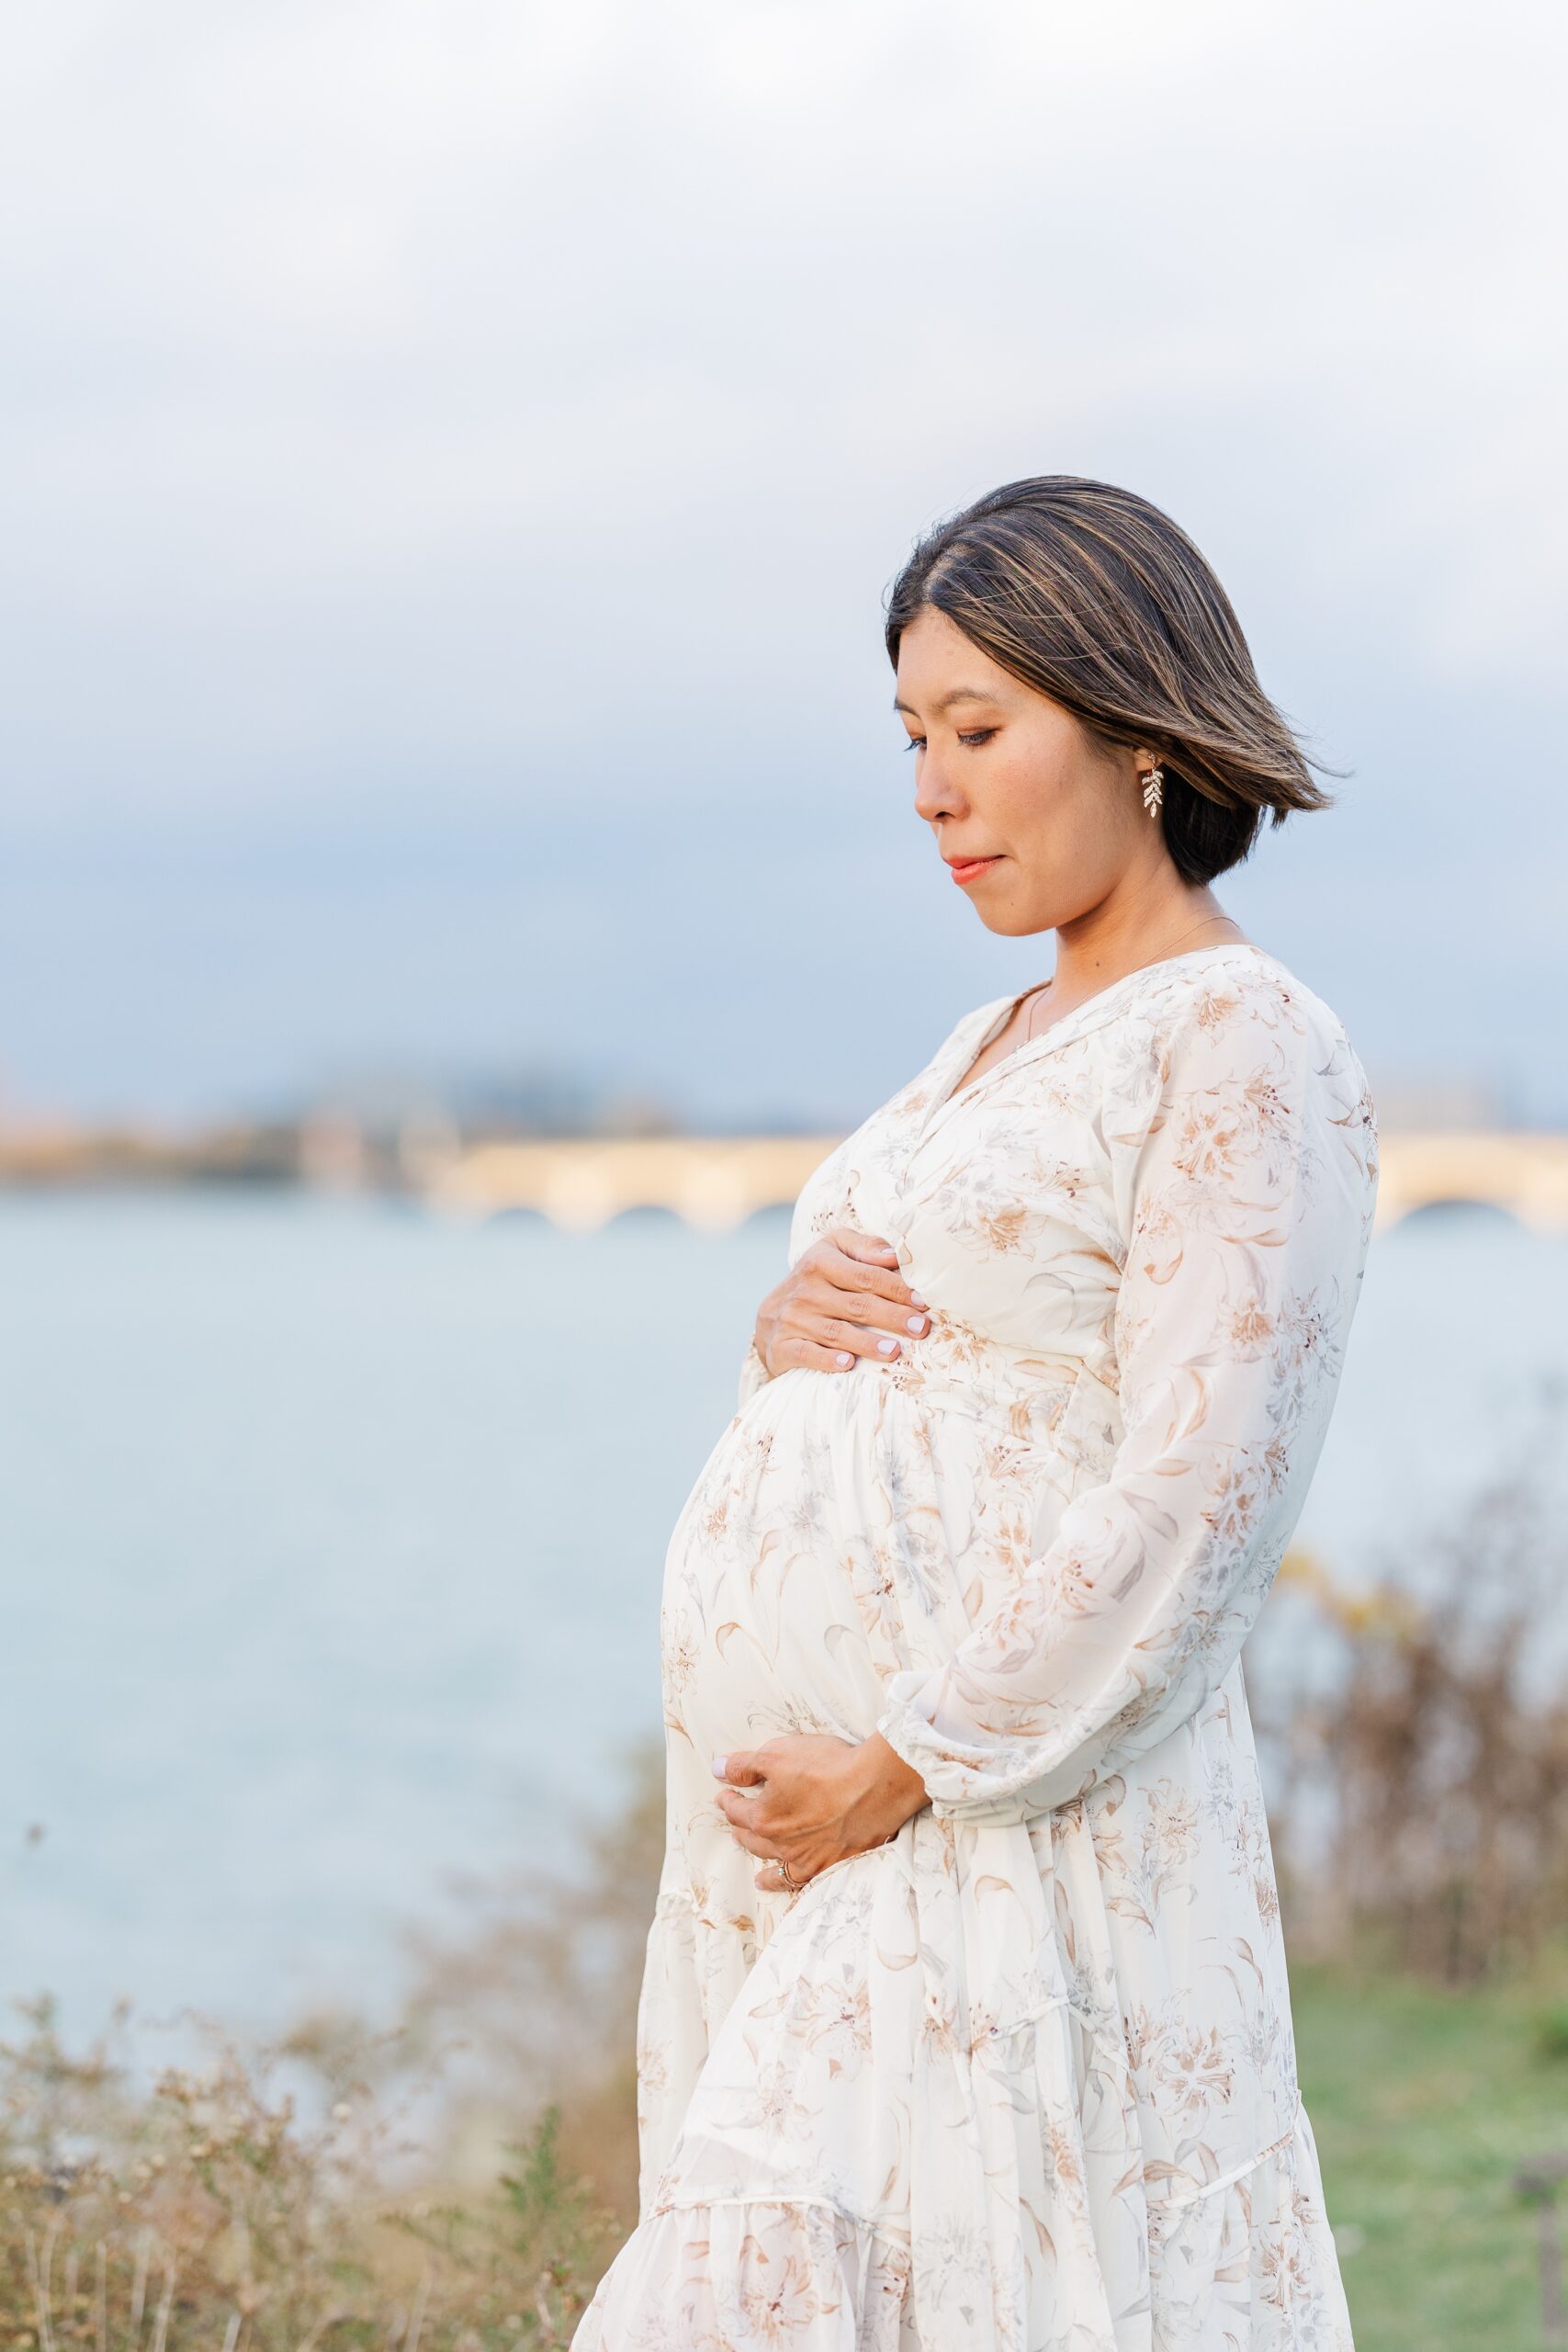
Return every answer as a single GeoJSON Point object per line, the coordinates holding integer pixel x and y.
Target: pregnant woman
{"type": "Point", "coordinates": [965, 2024]}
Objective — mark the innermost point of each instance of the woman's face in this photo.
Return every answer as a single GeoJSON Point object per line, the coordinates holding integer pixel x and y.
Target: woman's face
{"type": "Point", "coordinates": [1036, 818]}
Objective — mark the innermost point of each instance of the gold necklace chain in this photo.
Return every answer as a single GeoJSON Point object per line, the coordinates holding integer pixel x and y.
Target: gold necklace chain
{"type": "Point", "coordinates": [1039, 992]}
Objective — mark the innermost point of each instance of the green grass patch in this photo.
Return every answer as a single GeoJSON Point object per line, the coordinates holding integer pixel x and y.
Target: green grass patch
{"type": "Point", "coordinates": [1423, 2101]}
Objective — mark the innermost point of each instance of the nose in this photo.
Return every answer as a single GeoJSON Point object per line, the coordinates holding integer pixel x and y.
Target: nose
{"type": "Point", "coordinates": [936, 789]}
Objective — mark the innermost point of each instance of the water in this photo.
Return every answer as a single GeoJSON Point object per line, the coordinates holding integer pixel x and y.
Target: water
{"type": "Point", "coordinates": [333, 1539]}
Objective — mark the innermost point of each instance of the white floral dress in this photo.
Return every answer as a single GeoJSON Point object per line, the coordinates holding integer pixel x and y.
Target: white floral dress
{"type": "Point", "coordinates": [1022, 2080]}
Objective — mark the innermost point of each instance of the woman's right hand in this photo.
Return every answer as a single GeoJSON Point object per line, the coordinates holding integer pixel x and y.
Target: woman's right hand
{"type": "Point", "coordinates": [843, 1298]}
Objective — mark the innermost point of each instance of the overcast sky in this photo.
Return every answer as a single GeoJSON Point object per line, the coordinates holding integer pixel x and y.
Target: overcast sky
{"type": "Point", "coordinates": [452, 457]}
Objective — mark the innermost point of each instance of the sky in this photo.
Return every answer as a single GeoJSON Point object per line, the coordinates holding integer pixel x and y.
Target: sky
{"type": "Point", "coordinates": [452, 458]}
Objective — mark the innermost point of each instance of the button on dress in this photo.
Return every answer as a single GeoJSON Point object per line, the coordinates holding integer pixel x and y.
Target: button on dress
{"type": "Point", "coordinates": [1024, 2079]}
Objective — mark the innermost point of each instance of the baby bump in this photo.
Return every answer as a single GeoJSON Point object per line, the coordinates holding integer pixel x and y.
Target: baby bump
{"type": "Point", "coordinates": [774, 1619]}
{"type": "Point", "coordinates": [836, 1533]}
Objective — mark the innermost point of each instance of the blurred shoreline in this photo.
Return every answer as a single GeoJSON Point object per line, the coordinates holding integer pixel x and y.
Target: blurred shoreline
{"type": "Point", "coordinates": [580, 1174]}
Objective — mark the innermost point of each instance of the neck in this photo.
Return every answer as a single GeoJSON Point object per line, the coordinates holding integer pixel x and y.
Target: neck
{"type": "Point", "coordinates": [1138, 927]}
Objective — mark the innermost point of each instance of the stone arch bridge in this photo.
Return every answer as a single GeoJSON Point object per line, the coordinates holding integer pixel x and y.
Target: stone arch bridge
{"type": "Point", "coordinates": [717, 1181]}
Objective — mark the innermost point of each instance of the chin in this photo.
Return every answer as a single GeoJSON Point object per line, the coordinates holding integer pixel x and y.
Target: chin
{"type": "Point", "coordinates": [1013, 923]}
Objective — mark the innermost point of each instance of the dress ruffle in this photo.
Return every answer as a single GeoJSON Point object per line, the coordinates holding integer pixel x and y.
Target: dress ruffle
{"type": "Point", "coordinates": [1249, 2261]}
{"type": "Point", "coordinates": [905, 2139]}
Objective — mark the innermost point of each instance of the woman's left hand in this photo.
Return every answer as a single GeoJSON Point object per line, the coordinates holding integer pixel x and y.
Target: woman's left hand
{"type": "Point", "coordinates": [808, 1799]}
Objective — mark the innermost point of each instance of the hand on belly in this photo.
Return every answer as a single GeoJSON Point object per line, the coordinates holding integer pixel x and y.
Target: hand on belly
{"type": "Point", "coordinates": [807, 1800]}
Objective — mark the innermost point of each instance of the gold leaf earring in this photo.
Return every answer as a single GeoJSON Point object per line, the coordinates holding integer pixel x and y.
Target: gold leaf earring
{"type": "Point", "coordinates": [1154, 790]}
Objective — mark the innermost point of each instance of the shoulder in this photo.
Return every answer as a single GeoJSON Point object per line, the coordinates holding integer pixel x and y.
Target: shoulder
{"type": "Point", "coordinates": [1242, 1005]}
{"type": "Point", "coordinates": [1239, 1025]}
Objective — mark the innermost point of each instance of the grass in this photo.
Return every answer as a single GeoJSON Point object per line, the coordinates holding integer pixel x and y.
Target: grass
{"type": "Point", "coordinates": [1424, 2100]}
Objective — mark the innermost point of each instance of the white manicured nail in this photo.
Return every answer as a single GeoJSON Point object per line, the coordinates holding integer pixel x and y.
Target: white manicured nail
{"type": "Point", "coordinates": [916, 1323]}
{"type": "Point", "coordinates": [844, 1356]}
{"type": "Point", "coordinates": [915, 1299]}
{"type": "Point", "coordinates": [888, 1347]}
{"type": "Point", "coordinates": [718, 1764]}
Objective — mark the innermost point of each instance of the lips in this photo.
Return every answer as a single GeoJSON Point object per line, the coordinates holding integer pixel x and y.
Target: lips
{"type": "Point", "coordinates": [964, 869]}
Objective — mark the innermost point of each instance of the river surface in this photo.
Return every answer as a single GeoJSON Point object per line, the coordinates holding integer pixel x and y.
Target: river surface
{"type": "Point", "coordinates": [333, 1540]}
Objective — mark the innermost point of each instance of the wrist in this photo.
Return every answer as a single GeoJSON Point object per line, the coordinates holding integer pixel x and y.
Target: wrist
{"type": "Point", "coordinates": [887, 1783]}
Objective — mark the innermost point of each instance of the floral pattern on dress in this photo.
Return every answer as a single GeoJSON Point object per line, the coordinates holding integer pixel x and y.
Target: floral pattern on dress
{"type": "Point", "coordinates": [1022, 2080]}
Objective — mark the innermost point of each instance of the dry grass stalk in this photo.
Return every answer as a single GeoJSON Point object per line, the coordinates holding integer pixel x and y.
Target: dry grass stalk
{"type": "Point", "coordinates": [205, 2213]}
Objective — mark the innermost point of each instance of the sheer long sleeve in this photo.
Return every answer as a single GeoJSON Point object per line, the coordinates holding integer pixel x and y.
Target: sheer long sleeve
{"type": "Point", "coordinates": [1245, 1188]}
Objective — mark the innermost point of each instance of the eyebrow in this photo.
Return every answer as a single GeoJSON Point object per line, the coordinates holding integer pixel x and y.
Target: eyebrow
{"type": "Point", "coordinates": [959, 693]}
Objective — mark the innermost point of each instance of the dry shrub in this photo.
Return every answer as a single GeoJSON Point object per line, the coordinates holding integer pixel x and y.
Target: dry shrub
{"type": "Point", "coordinates": [202, 2211]}
{"type": "Point", "coordinates": [1425, 1821]}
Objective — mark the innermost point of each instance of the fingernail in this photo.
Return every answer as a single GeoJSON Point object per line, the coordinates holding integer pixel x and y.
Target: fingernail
{"type": "Point", "coordinates": [888, 1347]}
{"type": "Point", "coordinates": [916, 1323]}
{"type": "Point", "coordinates": [844, 1356]}
{"type": "Point", "coordinates": [915, 1299]}
{"type": "Point", "coordinates": [718, 1764]}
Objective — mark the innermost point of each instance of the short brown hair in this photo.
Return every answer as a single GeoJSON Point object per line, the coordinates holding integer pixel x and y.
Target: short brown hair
{"type": "Point", "coordinates": [1094, 597]}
